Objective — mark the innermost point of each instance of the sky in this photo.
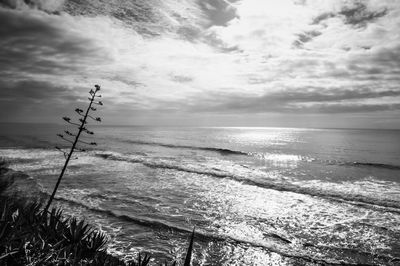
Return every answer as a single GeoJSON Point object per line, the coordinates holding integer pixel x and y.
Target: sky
{"type": "Point", "coordinates": [283, 63]}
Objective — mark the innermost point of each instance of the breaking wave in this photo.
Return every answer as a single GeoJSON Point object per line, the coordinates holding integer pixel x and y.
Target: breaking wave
{"type": "Point", "coordinates": [359, 200]}
{"type": "Point", "coordinates": [367, 164]}
{"type": "Point", "coordinates": [221, 151]}
{"type": "Point", "coordinates": [224, 151]}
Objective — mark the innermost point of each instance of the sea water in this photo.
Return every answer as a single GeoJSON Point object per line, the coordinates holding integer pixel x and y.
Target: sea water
{"type": "Point", "coordinates": [255, 196]}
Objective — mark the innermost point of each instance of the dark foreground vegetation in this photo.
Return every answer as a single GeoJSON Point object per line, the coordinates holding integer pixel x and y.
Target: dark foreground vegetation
{"type": "Point", "coordinates": [30, 236]}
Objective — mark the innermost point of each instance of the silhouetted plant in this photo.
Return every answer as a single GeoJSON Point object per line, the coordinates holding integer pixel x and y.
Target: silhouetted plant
{"type": "Point", "coordinates": [4, 183]}
{"type": "Point", "coordinates": [189, 252]}
{"type": "Point", "coordinates": [28, 239]}
{"type": "Point", "coordinates": [3, 163]}
{"type": "Point", "coordinates": [141, 261]}
{"type": "Point", "coordinates": [166, 264]}
{"type": "Point", "coordinates": [74, 138]}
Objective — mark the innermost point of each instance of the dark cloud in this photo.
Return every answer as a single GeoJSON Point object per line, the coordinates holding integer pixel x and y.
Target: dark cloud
{"type": "Point", "coordinates": [126, 11]}
{"type": "Point", "coordinates": [213, 40]}
{"type": "Point", "coordinates": [34, 43]}
{"type": "Point", "coordinates": [377, 64]}
{"type": "Point", "coordinates": [322, 17]}
{"type": "Point", "coordinates": [368, 65]}
{"type": "Point", "coordinates": [154, 18]}
{"type": "Point", "coordinates": [28, 99]}
{"type": "Point", "coordinates": [190, 33]}
{"type": "Point", "coordinates": [388, 57]}
{"type": "Point", "coordinates": [301, 100]}
{"type": "Point", "coordinates": [139, 12]}
{"type": "Point", "coordinates": [142, 16]}
{"type": "Point", "coordinates": [300, 2]}
{"type": "Point", "coordinates": [127, 80]}
{"type": "Point", "coordinates": [28, 91]}
{"type": "Point", "coordinates": [305, 37]}
{"type": "Point", "coordinates": [181, 78]}
{"type": "Point", "coordinates": [219, 12]}
{"type": "Point", "coordinates": [37, 51]}
{"type": "Point", "coordinates": [358, 15]}
{"type": "Point", "coordinates": [350, 108]}
{"type": "Point", "coordinates": [149, 18]}
{"type": "Point", "coordinates": [46, 5]}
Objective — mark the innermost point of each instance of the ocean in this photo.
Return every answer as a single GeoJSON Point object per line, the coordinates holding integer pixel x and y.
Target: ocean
{"type": "Point", "coordinates": [256, 196]}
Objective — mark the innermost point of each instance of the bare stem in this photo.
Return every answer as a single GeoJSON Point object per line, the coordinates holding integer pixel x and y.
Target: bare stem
{"type": "Point", "coordinates": [81, 127]}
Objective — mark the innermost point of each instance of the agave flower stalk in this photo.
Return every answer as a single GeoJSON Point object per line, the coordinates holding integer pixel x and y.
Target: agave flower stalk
{"type": "Point", "coordinates": [81, 128]}
{"type": "Point", "coordinates": [188, 259]}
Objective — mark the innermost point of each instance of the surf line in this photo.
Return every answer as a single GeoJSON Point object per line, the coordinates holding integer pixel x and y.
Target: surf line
{"type": "Point", "coordinates": [357, 200]}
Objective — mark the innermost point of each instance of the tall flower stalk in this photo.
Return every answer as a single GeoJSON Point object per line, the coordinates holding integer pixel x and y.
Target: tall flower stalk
{"type": "Point", "coordinates": [74, 138]}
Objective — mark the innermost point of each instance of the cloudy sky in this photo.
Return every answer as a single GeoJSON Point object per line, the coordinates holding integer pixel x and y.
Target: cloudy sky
{"type": "Point", "coordinates": [293, 63]}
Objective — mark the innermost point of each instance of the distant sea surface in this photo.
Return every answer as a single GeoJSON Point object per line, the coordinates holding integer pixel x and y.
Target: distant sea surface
{"type": "Point", "coordinates": [256, 196]}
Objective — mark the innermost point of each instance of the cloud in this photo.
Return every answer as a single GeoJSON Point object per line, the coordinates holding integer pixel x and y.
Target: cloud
{"type": "Point", "coordinates": [321, 17]}
{"type": "Point", "coordinates": [62, 49]}
{"type": "Point", "coordinates": [150, 18]}
{"type": "Point", "coordinates": [36, 43]}
{"type": "Point", "coordinates": [181, 78]}
{"type": "Point", "coordinates": [45, 5]}
{"type": "Point", "coordinates": [36, 91]}
{"type": "Point", "coordinates": [219, 12]}
{"type": "Point", "coordinates": [305, 37]}
{"type": "Point", "coordinates": [21, 99]}
{"type": "Point", "coordinates": [351, 108]}
{"type": "Point", "coordinates": [358, 15]}
{"type": "Point", "coordinates": [354, 13]}
{"type": "Point", "coordinates": [203, 58]}
{"type": "Point", "coordinates": [303, 100]}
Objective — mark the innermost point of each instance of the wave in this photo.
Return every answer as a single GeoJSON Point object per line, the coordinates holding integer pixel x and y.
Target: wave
{"type": "Point", "coordinates": [354, 252]}
{"type": "Point", "coordinates": [215, 173]}
{"type": "Point", "coordinates": [153, 223]}
{"type": "Point", "coordinates": [378, 227]}
{"type": "Point", "coordinates": [369, 164]}
{"type": "Point", "coordinates": [222, 151]}
{"type": "Point", "coordinates": [280, 245]}
{"type": "Point", "coordinates": [359, 200]}
{"type": "Point", "coordinates": [11, 160]}
{"type": "Point", "coordinates": [30, 142]}
{"type": "Point", "coordinates": [306, 159]}
{"type": "Point", "coordinates": [352, 164]}
{"type": "Point", "coordinates": [263, 156]}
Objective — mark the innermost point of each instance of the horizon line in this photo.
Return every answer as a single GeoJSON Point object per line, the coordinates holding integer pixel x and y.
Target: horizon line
{"type": "Point", "coordinates": [203, 126]}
